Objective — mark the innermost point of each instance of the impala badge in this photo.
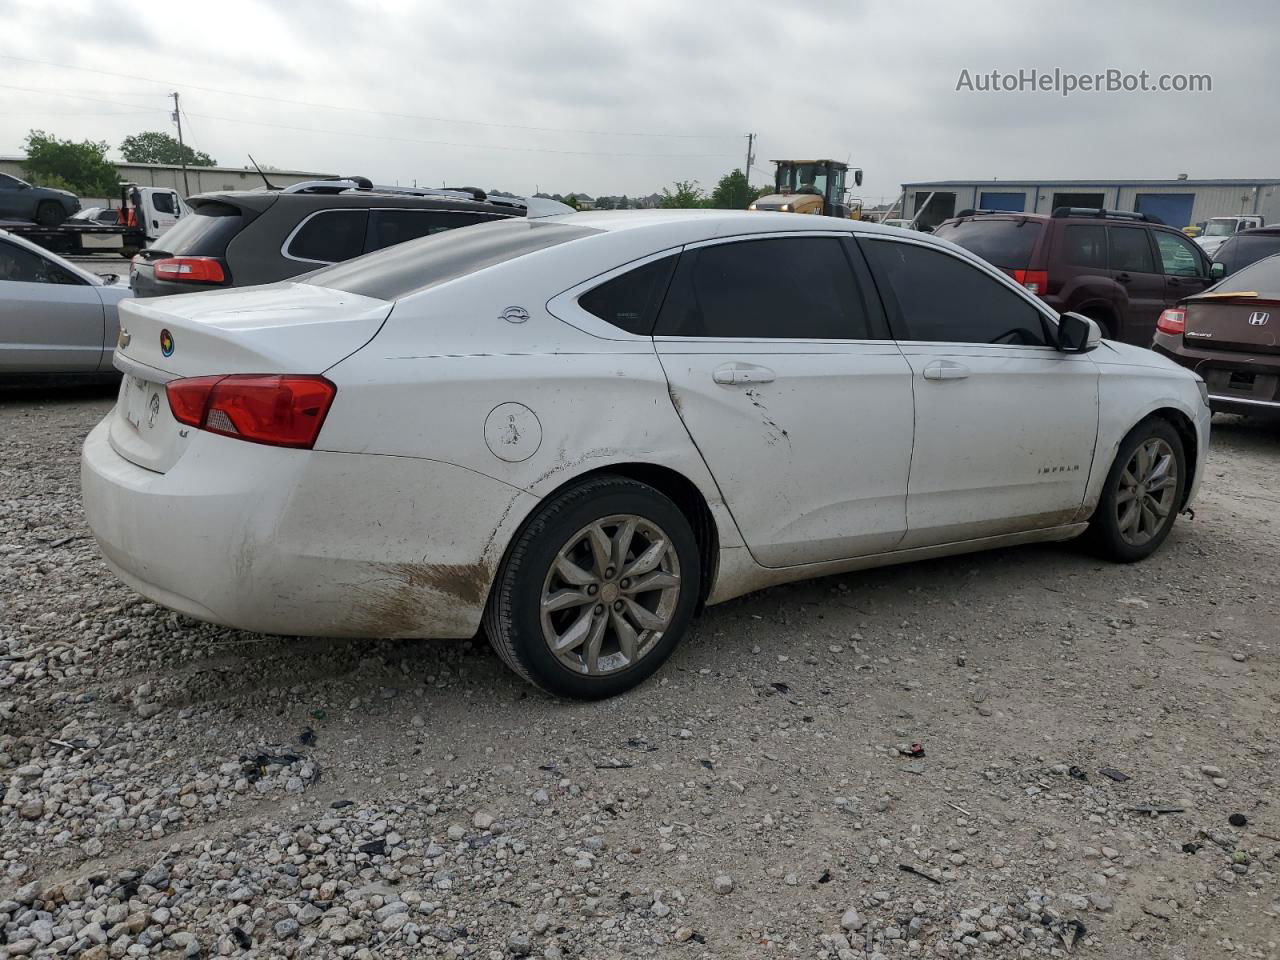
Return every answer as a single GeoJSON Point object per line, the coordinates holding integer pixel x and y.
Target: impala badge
{"type": "Point", "coordinates": [514, 315]}
{"type": "Point", "coordinates": [1258, 319]}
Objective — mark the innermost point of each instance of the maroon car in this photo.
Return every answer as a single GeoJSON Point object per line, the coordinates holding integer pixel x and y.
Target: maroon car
{"type": "Point", "coordinates": [1120, 269]}
{"type": "Point", "coordinates": [1230, 335]}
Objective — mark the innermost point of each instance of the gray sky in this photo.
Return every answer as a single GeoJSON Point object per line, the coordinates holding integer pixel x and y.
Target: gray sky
{"type": "Point", "coordinates": [599, 96]}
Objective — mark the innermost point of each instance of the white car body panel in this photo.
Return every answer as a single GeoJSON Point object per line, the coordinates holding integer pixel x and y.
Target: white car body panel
{"type": "Point", "coordinates": [455, 417]}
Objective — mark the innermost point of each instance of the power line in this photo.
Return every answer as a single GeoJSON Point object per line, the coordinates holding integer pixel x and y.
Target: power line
{"type": "Point", "coordinates": [366, 110]}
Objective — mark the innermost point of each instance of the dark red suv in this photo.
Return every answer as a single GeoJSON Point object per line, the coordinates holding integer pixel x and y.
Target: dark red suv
{"type": "Point", "coordinates": [1121, 269]}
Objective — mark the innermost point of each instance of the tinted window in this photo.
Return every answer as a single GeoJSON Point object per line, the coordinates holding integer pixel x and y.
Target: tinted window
{"type": "Point", "coordinates": [1131, 250]}
{"type": "Point", "coordinates": [1005, 243]}
{"type": "Point", "coordinates": [1244, 249]}
{"type": "Point", "coordinates": [389, 227]}
{"type": "Point", "coordinates": [330, 236]}
{"type": "Point", "coordinates": [1178, 257]}
{"type": "Point", "coordinates": [163, 202]}
{"type": "Point", "coordinates": [1262, 277]}
{"type": "Point", "coordinates": [9, 183]}
{"type": "Point", "coordinates": [409, 267]}
{"type": "Point", "coordinates": [630, 301]}
{"type": "Point", "coordinates": [942, 298]}
{"type": "Point", "coordinates": [1084, 245]}
{"type": "Point", "coordinates": [205, 233]}
{"type": "Point", "coordinates": [797, 287]}
{"type": "Point", "coordinates": [18, 265]}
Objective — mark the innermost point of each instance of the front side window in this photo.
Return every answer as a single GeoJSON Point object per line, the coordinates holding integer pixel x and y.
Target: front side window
{"type": "Point", "coordinates": [630, 300]}
{"type": "Point", "coordinates": [389, 227]}
{"type": "Point", "coordinates": [941, 298]}
{"type": "Point", "coordinates": [163, 202]}
{"type": "Point", "coordinates": [330, 236]}
{"type": "Point", "coordinates": [1178, 257]}
{"type": "Point", "coordinates": [18, 265]}
{"type": "Point", "coordinates": [798, 288]}
{"type": "Point", "coordinates": [1085, 245]}
{"type": "Point", "coordinates": [1131, 250]}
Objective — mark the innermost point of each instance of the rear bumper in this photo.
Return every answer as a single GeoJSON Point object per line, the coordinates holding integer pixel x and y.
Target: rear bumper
{"type": "Point", "coordinates": [301, 542]}
{"type": "Point", "coordinates": [1259, 396]}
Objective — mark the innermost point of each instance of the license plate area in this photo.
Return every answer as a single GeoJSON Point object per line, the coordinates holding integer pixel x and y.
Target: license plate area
{"type": "Point", "coordinates": [142, 403]}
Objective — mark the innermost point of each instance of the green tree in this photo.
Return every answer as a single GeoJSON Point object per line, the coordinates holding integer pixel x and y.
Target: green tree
{"type": "Point", "coordinates": [82, 168]}
{"type": "Point", "coordinates": [569, 200]}
{"type": "Point", "coordinates": [733, 192]}
{"type": "Point", "coordinates": [153, 146]}
{"type": "Point", "coordinates": [687, 194]}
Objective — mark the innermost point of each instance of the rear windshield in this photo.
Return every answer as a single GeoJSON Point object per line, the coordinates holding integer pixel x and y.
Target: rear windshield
{"type": "Point", "coordinates": [1003, 243]}
{"type": "Point", "coordinates": [1244, 249]}
{"type": "Point", "coordinates": [1262, 278]}
{"type": "Point", "coordinates": [409, 267]}
{"type": "Point", "coordinates": [205, 232]}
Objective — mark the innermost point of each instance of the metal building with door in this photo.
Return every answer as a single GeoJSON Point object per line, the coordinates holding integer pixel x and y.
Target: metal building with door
{"type": "Point", "coordinates": [1178, 203]}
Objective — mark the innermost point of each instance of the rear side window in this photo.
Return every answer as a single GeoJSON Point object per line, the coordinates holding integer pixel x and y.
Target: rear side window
{"type": "Point", "coordinates": [783, 287]}
{"type": "Point", "coordinates": [389, 227]}
{"type": "Point", "coordinates": [1004, 243]}
{"type": "Point", "coordinates": [418, 264]}
{"type": "Point", "coordinates": [1131, 250]}
{"type": "Point", "coordinates": [941, 298]}
{"type": "Point", "coordinates": [329, 236]}
{"type": "Point", "coordinates": [205, 233]}
{"type": "Point", "coordinates": [630, 301]}
{"type": "Point", "coordinates": [1085, 245]}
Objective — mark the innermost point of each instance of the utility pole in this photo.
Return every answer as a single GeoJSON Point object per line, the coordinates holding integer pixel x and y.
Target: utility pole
{"type": "Point", "coordinates": [182, 150]}
{"type": "Point", "coordinates": [751, 139]}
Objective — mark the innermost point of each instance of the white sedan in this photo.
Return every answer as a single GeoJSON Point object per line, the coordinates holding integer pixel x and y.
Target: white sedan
{"type": "Point", "coordinates": [577, 431]}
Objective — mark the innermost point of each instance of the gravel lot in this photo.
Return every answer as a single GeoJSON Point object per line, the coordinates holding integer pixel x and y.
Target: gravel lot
{"type": "Point", "coordinates": [175, 788]}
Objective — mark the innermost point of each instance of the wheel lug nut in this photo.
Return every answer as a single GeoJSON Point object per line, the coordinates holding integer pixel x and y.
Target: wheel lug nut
{"type": "Point", "coordinates": [599, 609]}
{"type": "Point", "coordinates": [609, 571]}
{"type": "Point", "coordinates": [626, 582]}
{"type": "Point", "coordinates": [617, 605]}
{"type": "Point", "coordinates": [592, 590]}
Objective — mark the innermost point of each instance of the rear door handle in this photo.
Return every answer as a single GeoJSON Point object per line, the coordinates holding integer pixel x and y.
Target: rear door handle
{"type": "Point", "coordinates": [945, 370]}
{"type": "Point", "coordinates": [731, 373]}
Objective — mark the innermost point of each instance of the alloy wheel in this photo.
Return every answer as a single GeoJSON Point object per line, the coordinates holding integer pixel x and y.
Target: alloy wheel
{"type": "Point", "coordinates": [1147, 486]}
{"type": "Point", "coordinates": [610, 594]}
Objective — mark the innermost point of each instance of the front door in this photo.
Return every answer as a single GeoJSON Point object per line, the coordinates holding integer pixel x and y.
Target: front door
{"type": "Point", "coordinates": [1005, 423]}
{"type": "Point", "coordinates": [54, 321]}
{"type": "Point", "coordinates": [1140, 294]}
{"type": "Point", "coordinates": [782, 370]}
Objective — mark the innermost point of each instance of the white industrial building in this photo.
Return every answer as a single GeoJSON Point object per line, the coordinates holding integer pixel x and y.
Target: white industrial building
{"type": "Point", "coordinates": [201, 179]}
{"type": "Point", "coordinates": [1179, 202]}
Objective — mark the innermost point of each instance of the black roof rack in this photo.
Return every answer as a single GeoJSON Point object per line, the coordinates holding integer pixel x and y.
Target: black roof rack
{"type": "Point", "coordinates": [975, 212]}
{"type": "Point", "coordinates": [1106, 214]}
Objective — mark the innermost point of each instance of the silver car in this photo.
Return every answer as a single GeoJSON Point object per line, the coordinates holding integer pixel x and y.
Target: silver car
{"type": "Point", "coordinates": [55, 318]}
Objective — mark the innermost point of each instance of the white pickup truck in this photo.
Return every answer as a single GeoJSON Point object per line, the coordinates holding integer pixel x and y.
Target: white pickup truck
{"type": "Point", "coordinates": [1218, 229]}
{"type": "Point", "coordinates": [145, 214]}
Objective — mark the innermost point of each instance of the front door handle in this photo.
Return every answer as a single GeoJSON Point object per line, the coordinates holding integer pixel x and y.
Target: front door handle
{"type": "Point", "coordinates": [945, 370]}
{"type": "Point", "coordinates": [1123, 277]}
{"type": "Point", "coordinates": [731, 373]}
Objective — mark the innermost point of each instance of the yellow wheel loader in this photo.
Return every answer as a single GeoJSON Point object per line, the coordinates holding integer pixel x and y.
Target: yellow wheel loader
{"type": "Point", "coordinates": [812, 186]}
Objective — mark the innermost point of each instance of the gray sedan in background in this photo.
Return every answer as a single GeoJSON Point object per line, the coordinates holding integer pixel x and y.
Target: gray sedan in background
{"type": "Point", "coordinates": [55, 318]}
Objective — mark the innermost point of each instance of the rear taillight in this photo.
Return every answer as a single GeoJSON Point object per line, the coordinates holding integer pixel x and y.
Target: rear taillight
{"type": "Point", "coordinates": [1173, 321]}
{"type": "Point", "coordinates": [190, 269]}
{"type": "Point", "coordinates": [1037, 281]}
{"type": "Point", "coordinates": [281, 410]}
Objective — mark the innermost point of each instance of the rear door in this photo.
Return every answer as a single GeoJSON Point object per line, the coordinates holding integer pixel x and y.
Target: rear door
{"type": "Point", "coordinates": [1185, 267]}
{"type": "Point", "coordinates": [1132, 265]}
{"type": "Point", "coordinates": [781, 368]}
{"type": "Point", "coordinates": [51, 321]}
{"type": "Point", "coordinates": [1005, 423]}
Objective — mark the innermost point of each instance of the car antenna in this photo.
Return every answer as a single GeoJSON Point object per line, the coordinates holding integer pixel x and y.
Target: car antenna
{"type": "Point", "coordinates": [270, 185]}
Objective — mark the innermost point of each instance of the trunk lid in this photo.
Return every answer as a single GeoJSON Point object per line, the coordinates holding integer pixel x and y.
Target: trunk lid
{"type": "Point", "coordinates": [285, 327]}
{"type": "Point", "coordinates": [1243, 324]}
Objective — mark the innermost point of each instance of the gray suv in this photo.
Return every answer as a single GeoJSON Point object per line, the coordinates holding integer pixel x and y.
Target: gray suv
{"type": "Point", "coordinates": [19, 200]}
{"type": "Point", "coordinates": [241, 238]}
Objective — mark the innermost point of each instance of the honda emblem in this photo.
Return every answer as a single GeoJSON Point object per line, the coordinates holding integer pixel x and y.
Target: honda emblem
{"type": "Point", "coordinates": [1258, 318]}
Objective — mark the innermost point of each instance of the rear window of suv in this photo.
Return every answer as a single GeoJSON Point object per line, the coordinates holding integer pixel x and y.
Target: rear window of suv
{"type": "Point", "coordinates": [205, 233]}
{"type": "Point", "coordinates": [1006, 242]}
{"type": "Point", "coordinates": [418, 264]}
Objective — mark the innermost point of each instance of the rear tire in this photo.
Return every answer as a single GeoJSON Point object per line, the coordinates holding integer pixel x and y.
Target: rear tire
{"type": "Point", "coordinates": [1142, 494]}
{"type": "Point", "coordinates": [597, 589]}
{"type": "Point", "coordinates": [50, 214]}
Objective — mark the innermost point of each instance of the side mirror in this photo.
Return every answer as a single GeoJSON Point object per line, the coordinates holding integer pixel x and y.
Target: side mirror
{"type": "Point", "coordinates": [1077, 334]}
{"type": "Point", "coordinates": [1217, 270]}
{"type": "Point", "coordinates": [857, 176]}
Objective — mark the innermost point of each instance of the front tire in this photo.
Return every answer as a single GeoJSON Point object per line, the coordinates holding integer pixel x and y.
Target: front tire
{"type": "Point", "coordinates": [50, 214]}
{"type": "Point", "coordinates": [1142, 494]}
{"type": "Point", "coordinates": [597, 590]}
